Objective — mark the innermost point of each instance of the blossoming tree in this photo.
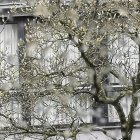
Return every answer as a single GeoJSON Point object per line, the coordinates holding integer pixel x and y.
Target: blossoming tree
{"type": "Point", "coordinates": [73, 54]}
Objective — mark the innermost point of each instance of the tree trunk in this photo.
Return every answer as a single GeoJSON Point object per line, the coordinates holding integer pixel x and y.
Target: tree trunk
{"type": "Point", "coordinates": [126, 134]}
{"type": "Point", "coordinates": [127, 137]}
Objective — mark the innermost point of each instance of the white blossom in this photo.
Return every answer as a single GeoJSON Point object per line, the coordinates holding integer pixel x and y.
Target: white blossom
{"type": "Point", "coordinates": [16, 84]}
{"type": "Point", "coordinates": [137, 40]}
{"type": "Point", "coordinates": [84, 48]}
{"type": "Point", "coordinates": [33, 50]}
{"type": "Point", "coordinates": [12, 59]}
{"type": "Point", "coordinates": [90, 73]}
{"type": "Point", "coordinates": [123, 12]}
{"type": "Point", "coordinates": [42, 10]}
{"type": "Point", "coordinates": [6, 86]}
{"type": "Point", "coordinates": [67, 133]}
{"type": "Point", "coordinates": [73, 15]}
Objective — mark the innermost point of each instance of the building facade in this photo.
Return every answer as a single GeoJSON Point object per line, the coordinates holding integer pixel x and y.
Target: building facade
{"type": "Point", "coordinates": [29, 104]}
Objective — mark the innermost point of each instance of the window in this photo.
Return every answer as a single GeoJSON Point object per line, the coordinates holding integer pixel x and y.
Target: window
{"type": "Point", "coordinates": [62, 110]}
{"type": "Point", "coordinates": [9, 72]}
{"type": "Point", "coordinates": [61, 107]}
{"type": "Point", "coordinates": [124, 59]}
{"type": "Point", "coordinates": [12, 109]}
{"type": "Point", "coordinates": [9, 56]}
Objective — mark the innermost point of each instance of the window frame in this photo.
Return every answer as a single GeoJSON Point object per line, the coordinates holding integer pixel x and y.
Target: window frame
{"type": "Point", "coordinates": [19, 21]}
